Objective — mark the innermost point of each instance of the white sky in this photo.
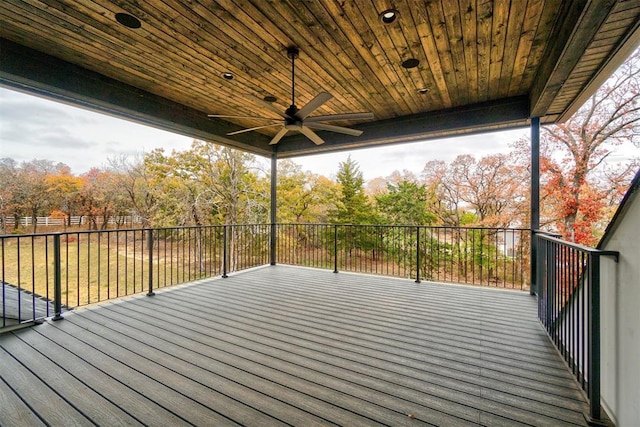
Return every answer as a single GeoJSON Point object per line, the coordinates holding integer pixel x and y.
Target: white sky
{"type": "Point", "coordinates": [36, 128]}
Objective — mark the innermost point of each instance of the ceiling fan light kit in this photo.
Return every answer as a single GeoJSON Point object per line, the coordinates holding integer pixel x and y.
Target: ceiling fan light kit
{"type": "Point", "coordinates": [297, 119]}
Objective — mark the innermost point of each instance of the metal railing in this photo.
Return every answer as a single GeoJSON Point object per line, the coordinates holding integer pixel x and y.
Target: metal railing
{"type": "Point", "coordinates": [472, 255]}
{"type": "Point", "coordinates": [42, 274]}
{"type": "Point", "coordinates": [568, 287]}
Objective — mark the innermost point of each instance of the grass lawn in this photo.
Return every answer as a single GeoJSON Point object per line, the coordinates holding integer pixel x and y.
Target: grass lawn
{"type": "Point", "coordinates": [96, 267]}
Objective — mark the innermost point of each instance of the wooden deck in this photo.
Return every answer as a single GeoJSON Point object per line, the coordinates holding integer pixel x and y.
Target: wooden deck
{"type": "Point", "coordinates": [292, 346]}
{"type": "Point", "coordinates": [21, 306]}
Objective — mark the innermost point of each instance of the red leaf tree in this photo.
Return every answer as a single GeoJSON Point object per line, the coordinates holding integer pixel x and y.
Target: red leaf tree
{"type": "Point", "coordinates": [581, 180]}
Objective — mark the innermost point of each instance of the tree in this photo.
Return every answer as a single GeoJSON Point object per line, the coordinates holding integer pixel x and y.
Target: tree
{"type": "Point", "coordinates": [134, 179]}
{"type": "Point", "coordinates": [303, 196]}
{"type": "Point", "coordinates": [103, 198]}
{"type": "Point", "coordinates": [231, 177]}
{"type": "Point", "coordinates": [353, 206]}
{"type": "Point", "coordinates": [175, 189]}
{"type": "Point", "coordinates": [9, 203]}
{"type": "Point", "coordinates": [438, 178]}
{"type": "Point", "coordinates": [31, 188]}
{"type": "Point", "coordinates": [574, 156]}
{"type": "Point", "coordinates": [294, 196]}
{"type": "Point", "coordinates": [64, 192]}
{"type": "Point", "coordinates": [407, 203]}
{"type": "Point", "coordinates": [94, 202]}
{"type": "Point", "coordinates": [493, 188]}
{"type": "Point", "coordinates": [207, 184]}
{"type": "Point", "coordinates": [489, 189]}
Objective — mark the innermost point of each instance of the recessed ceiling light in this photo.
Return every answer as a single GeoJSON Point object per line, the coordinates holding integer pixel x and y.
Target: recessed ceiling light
{"type": "Point", "coordinates": [270, 98]}
{"type": "Point", "coordinates": [388, 16]}
{"type": "Point", "coordinates": [410, 63]}
{"type": "Point", "coordinates": [227, 75]}
{"type": "Point", "coordinates": [423, 90]}
{"type": "Point", "coordinates": [128, 21]}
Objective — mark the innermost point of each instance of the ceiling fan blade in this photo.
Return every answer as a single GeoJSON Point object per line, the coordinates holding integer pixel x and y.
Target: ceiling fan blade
{"type": "Point", "coordinates": [254, 128]}
{"type": "Point", "coordinates": [222, 116]}
{"type": "Point", "coordinates": [269, 106]}
{"type": "Point", "coordinates": [278, 136]}
{"type": "Point", "coordinates": [311, 135]}
{"type": "Point", "coordinates": [316, 102]}
{"type": "Point", "coordinates": [332, 128]}
{"type": "Point", "coordinates": [347, 116]}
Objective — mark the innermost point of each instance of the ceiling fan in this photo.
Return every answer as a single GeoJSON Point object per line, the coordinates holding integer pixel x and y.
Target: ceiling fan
{"type": "Point", "coordinates": [295, 119]}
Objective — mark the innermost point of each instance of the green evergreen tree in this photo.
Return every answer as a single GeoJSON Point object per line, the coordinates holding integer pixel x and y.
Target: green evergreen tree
{"type": "Point", "coordinates": [353, 206]}
{"type": "Point", "coordinates": [407, 203]}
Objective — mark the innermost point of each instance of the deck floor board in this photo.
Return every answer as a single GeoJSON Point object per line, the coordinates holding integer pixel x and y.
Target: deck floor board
{"type": "Point", "coordinates": [36, 394]}
{"type": "Point", "coordinates": [293, 346]}
{"type": "Point", "coordinates": [123, 394]}
{"type": "Point", "coordinates": [251, 355]}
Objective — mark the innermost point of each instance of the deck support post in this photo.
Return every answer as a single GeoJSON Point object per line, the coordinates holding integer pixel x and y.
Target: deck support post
{"type": "Point", "coordinates": [273, 207]}
{"type": "Point", "coordinates": [535, 200]}
{"type": "Point", "coordinates": [593, 338]}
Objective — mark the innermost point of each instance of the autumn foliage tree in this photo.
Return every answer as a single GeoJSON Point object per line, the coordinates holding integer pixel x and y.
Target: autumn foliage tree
{"type": "Point", "coordinates": [64, 191]}
{"type": "Point", "coordinates": [579, 179]}
{"type": "Point", "coordinates": [303, 197]}
{"type": "Point", "coordinates": [206, 184]}
{"type": "Point", "coordinates": [486, 192]}
{"type": "Point", "coordinates": [581, 182]}
{"type": "Point", "coordinates": [133, 180]}
{"type": "Point", "coordinates": [31, 190]}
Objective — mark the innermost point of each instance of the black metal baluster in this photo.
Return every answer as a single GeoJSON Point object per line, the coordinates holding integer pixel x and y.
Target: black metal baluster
{"type": "Point", "coordinates": [150, 292]}
{"type": "Point", "coordinates": [109, 233]}
{"type": "Point", "coordinates": [57, 278]}
{"type": "Point", "coordinates": [99, 264]}
{"type": "Point", "coordinates": [224, 253]}
{"type": "Point", "coordinates": [335, 248]}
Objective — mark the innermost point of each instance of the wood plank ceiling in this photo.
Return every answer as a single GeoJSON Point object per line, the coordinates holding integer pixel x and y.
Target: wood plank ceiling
{"type": "Point", "coordinates": [481, 64]}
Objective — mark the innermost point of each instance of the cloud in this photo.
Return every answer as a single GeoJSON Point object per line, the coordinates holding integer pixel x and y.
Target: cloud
{"type": "Point", "coordinates": [383, 161]}
{"type": "Point", "coordinates": [27, 121]}
{"type": "Point", "coordinates": [36, 128]}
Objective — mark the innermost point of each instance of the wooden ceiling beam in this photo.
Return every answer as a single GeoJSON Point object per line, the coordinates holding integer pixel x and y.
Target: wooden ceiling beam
{"type": "Point", "coordinates": [629, 44]}
{"type": "Point", "coordinates": [33, 72]}
{"type": "Point", "coordinates": [577, 23]}
{"type": "Point", "coordinates": [502, 114]}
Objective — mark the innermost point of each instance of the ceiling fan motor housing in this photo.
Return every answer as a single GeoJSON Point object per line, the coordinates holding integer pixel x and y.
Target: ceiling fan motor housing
{"type": "Point", "coordinates": [292, 111]}
{"type": "Point", "coordinates": [294, 117]}
{"type": "Point", "coordinates": [292, 124]}
{"type": "Point", "coordinates": [293, 52]}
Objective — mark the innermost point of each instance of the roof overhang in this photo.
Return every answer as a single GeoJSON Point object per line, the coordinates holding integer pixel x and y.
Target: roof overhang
{"type": "Point", "coordinates": [543, 60]}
